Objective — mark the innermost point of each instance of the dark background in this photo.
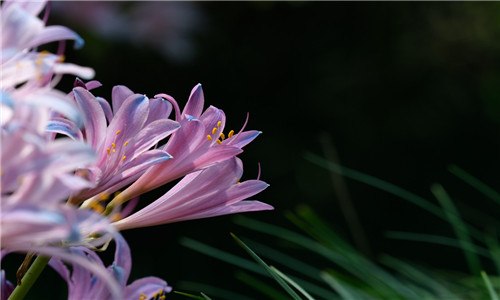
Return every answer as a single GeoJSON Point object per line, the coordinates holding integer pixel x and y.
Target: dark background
{"type": "Point", "coordinates": [402, 89]}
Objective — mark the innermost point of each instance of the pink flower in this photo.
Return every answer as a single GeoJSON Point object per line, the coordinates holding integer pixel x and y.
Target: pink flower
{"type": "Point", "coordinates": [211, 192]}
{"type": "Point", "coordinates": [22, 31]}
{"type": "Point", "coordinates": [123, 147]}
{"type": "Point", "coordinates": [35, 170]}
{"type": "Point", "coordinates": [198, 144]}
{"type": "Point", "coordinates": [82, 284]}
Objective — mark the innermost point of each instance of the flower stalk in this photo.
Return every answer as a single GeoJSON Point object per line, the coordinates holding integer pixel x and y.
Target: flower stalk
{"type": "Point", "coordinates": [29, 278]}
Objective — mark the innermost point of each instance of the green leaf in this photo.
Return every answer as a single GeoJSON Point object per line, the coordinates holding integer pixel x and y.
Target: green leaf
{"type": "Point", "coordinates": [292, 283]}
{"type": "Point", "coordinates": [436, 239]}
{"type": "Point", "coordinates": [461, 230]}
{"type": "Point", "coordinates": [216, 292]}
{"type": "Point", "coordinates": [263, 287]}
{"type": "Point", "coordinates": [190, 295]}
{"type": "Point", "coordinates": [388, 187]}
{"type": "Point", "coordinates": [489, 286]}
{"type": "Point", "coordinates": [273, 274]}
{"type": "Point", "coordinates": [475, 183]}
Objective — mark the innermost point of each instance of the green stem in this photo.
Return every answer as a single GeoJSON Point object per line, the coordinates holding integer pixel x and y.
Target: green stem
{"type": "Point", "coordinates": [29, 278]}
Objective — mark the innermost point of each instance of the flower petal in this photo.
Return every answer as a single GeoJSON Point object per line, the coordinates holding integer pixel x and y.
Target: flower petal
{"type": "Point", "coordinates": [195, 103]}
{"type": "Point", "coordinates": [119, 94]}
{"type": "Point", "coordinates": [66, 127]}
{"type": "Point", "coordinates": [94, 118]}
{"type": "Point", "coordinates": [150, 136]}
{"type": "Point", "coordinates": [148, 286]}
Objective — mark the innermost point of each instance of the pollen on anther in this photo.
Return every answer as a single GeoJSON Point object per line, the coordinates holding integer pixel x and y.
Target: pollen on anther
{"type": "Point", "coordinates": [209, 137]}
{"type": "Point", "coordinates": [118, 132]}
{"type": "Point", "coordinates": [103, 196]}
{"type": "Point", "coordinates": [219, 123]}
{"type": "Point", "coordinates": [214, 130]}
{"type": "Point", "coordinates": [222, 136]}
{"type": "Point", "coordinates": [125, 144]}
{"type": "Point", "coordinates": [108, 150]}
{"type": "Point", "coordinates": [219, 142]}
{"type": "Point", "coordinates": [124, 157]}
{"type": "Point", "coordinates": [113, 145]}
{"type": "Point", "coordinates": [230, 134]}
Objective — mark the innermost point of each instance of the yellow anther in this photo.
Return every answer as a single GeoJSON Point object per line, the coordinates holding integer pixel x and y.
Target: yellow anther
{"type": "Point", "coordinates": [41, 56]}
{"type": "Point", "coordinates": [125, 144]}
{"type": "Point", "coordinates": [108, 150]}
{"type": "Point", "coordinates": [113, 145]}
{"type": "Point", "coordinates": [143, 296]}
{"type": "Point", "coordinates": [209, 137]}
{"type": "Point", "coordinates": [219, 123]}
{"type": "Point", "coordinates": [214, 130]}
{"type": "Point", "coordinates": [124, 157]}
{"type": "Point", "coordinates": [230, 134]}
{"type": "Point", "coordinates": [61, 58]}
{"type": "Point", "coordinates": [115, 217]}
{"type": "Point", "coordinates": [118, 132]}
{"type": "Point", "coordinates": [96, 207]}
{"type": "Point", "coordinates": [103, 196]}
{"type": "Point", "coordinates": [219, 142]}
{"type": "Point", "coordinates": [162, 297]}
{"type": "Point", "coordinates": [222, 136]}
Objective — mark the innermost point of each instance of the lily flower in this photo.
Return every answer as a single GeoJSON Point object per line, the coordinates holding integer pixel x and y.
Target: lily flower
{"type": "Point", "coordinates": [35, 170]}
{"type": "Point", "coordinates": [22, 31]}
{"type": "Point", "coordinates": [198, 144]}
{"type": "Point", "coordinates": [82, 284]}
{"type": "Point", "coordinates": [214, 191]}
{"type": "Point", "coordinates": [124, 145]}
{"type": "Point", "coordinates": [53, 233]}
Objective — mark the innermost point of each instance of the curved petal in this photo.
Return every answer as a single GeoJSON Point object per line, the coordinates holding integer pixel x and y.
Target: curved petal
{"type": "Point", "coordinates": [150, 136]}
{"type": "Point", "coordinates": [195, 103]}
{"type": "Point", "coordinates": [94, 118]}
{"type": "Point", "coordinates": [150, 287]}
{"type": "Point", "coordinates": [242, 139]}
{"type": "Point", "coordinates": [106, 108]}
{"type": "Point", "coordinates": [66, 127]}
{"type": "Point", "coordinates": [159, 108]}
{"type": "Point", "coordinates": [56, 33]}
{"type": "Point", "coordinates": [119, 94]}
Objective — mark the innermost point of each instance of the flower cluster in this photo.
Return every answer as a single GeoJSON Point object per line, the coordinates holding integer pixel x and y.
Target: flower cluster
{"type": "Point", "coordinates": [73, 165]}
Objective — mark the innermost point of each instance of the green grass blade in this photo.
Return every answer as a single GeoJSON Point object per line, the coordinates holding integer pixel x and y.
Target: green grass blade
{"type": "Point", "coordinates": [248, 265]}
{"type": "Point", "coordinates": [261, 286]}
{"type": "Point", "coordinates": [270, 271]}
{"type": "Point", "coordinates": [432, 282]}
{"type": "Point", "coordinates": [344, 292]}
{"type": "Point", "coordinates": [216, 292]}
{"type": "Point", "coordinates": [187, 295]}
{"type": "Point", "coordinates": [459, 227]}
{"type": "Point", "coordinates": [475, 183]}
{"type": "Point", "coordinates": [205, 297]}
{"type": "Point", "coordinates": [386, 186]}
{"type": "Point", "coordinates": [494, 248]}
{"type": "Point", "coordinates": [222, 255]}
{"type": "Point", "coordinates": [292, 283]}
{"type": "Point", "coordinates": [285, 260]}
{"type": "Point", "coordinates": [368, 272]}
{"type": "Point", "coordinates": [436, 239]}
{"type": "Point", "coordinates": [375, 182]}
{"type": "Point", "coordinates": [491, 291]}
